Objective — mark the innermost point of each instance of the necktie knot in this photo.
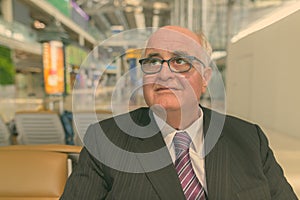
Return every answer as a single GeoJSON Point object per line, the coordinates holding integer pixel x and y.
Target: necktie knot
{"type": "Point", "coordinates": [182, 142]}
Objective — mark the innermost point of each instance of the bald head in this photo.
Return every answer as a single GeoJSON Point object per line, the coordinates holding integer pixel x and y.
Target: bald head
{"type": "Point", "coordinates": [176, 38]}
{"type": "Point", "coordinates": [184, 31]}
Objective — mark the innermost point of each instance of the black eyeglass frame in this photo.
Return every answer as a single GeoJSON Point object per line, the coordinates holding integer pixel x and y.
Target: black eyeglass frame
{"type": "Point", "coordinates": [191, 58]}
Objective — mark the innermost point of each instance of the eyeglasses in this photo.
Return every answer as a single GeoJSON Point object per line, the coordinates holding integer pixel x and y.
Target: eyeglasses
{"type": "Point", "coordinates": [176, 64]}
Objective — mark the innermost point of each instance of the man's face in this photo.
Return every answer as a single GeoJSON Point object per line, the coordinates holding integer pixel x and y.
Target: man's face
{"type": "Point", "coordinates": [174, 91]}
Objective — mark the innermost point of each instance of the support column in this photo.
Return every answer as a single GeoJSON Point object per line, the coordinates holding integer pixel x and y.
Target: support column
{"type": "Point", "coordinates": [175, 13]}
{"type": "Point", "coordinates": [190, 14]}
{"type": "Point", "coordinates": [7, 10]}
{"type": "Point", "coordinates": [81, 40]}
{"type": "Point", "coordinates": [204, 17]}
{"type": "Point", "coordinates": [182, 13]}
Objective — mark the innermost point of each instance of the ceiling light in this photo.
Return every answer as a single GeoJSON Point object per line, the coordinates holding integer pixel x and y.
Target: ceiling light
{"type": "Point", "coordinates": [129, 9]}
{"type": "Point", "coordinates": [160, 5]}
{"type": "Point", "coordinates": [38, 25]}
{"type": "Point", "coordinates": [139, 9]}
{"type": "Point", "coordinates": [133, 2]}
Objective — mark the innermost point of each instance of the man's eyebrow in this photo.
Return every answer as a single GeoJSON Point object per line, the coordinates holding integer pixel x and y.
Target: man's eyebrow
{"type": "Point", "coordinates": [180, 53]}
{"type": "Point", "coordinates": [153, 55]}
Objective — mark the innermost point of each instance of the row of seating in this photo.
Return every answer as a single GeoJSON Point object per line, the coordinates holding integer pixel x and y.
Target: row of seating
{"type": "Point", "coordinates": [39, 168]}
{"type": "Point", "coordinates": [35, 171]}
{"type": "Point", "coordinates": [45, 127]}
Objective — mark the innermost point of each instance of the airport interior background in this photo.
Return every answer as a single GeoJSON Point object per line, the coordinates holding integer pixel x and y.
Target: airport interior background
{"type": "Point", "coordinates": [74, 56]}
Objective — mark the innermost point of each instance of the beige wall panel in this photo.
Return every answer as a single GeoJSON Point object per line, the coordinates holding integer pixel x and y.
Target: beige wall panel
{"type": "Point", "coordinates": [263, 76]}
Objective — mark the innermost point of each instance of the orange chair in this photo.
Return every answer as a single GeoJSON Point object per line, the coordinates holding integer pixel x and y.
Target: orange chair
{"type": "Point", "coordinates": [35, 171]}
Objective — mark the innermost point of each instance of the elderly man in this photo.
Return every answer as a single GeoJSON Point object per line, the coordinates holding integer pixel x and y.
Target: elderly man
{"type": "Point", "coordinates": [163, 152]}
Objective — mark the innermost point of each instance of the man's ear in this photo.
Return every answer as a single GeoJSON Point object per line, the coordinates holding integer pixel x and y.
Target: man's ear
{"type": "Point", "coordinates": [207, 73]}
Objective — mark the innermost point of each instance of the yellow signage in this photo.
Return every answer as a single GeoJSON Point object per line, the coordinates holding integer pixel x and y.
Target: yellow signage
{"type": "Point", "coordinates": [53, 63]}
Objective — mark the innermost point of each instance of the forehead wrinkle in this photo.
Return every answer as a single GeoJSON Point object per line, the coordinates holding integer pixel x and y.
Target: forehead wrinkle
{"type": "Point", "coordinates": [175, 53]}
{"type": "Point", "coordinates": [176, 43]}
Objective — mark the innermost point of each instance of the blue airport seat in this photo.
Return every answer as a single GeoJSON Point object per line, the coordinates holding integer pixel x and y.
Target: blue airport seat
{"type": "Point", "coordinates": [4, 134]}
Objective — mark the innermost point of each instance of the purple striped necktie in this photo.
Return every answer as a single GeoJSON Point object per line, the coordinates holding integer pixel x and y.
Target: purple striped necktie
{"type": "Point", "coordinates": [191, 186]}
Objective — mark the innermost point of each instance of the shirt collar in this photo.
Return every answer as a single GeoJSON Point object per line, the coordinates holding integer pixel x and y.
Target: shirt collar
{"type": "Point", "coordinates": [195, 131]}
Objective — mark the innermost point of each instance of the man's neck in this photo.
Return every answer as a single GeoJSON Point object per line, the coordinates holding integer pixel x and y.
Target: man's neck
{"type": "Point", "coordinates": [178, 119]}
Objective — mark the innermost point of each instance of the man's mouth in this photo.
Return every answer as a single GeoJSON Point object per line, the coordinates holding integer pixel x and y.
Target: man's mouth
{"type": "Point", "coordinates": [158, 89]}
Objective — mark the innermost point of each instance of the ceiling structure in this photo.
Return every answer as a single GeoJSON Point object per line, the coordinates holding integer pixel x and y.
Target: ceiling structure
{"type": "Point", "coordinates": [118, 15]}
{"type": "Point", "coordinates": [112, 16]}
{"type": "Point", "coordinates": [218, 19]}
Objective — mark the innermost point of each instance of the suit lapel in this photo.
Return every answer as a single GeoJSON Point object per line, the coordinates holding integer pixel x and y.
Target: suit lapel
{"type": "Point", "coordinates": [159, 167]}
{"type": "Point", "coordinates": [164, 179]}
{"type": "Point", "coordinates": [217, 163]}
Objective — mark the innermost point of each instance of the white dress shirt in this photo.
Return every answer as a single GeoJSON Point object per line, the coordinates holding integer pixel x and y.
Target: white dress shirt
{"type": "Point", "coordinates": [195, 131]}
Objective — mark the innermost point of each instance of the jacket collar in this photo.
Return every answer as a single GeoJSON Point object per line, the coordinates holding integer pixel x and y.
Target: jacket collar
{"type": "Point", "coordinates": [217, 162]}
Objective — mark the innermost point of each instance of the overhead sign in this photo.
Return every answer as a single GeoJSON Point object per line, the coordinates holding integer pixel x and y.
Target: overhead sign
{"type": "Point", "coordinates": [53, 66]}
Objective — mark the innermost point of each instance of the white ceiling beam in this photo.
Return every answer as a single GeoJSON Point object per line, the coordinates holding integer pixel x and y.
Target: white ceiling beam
{"type": "Point", "coordinates": [34, 48]}
{"type": "Point", "coordinates": [51, 10]}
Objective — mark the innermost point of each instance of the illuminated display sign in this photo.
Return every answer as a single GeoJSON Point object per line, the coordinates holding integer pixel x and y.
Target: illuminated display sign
{"type": "Point", "coordinates": [53, 63]}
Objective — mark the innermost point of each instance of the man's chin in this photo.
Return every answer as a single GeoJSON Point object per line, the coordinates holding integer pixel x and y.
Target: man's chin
{"type": "Point", "coordinates": [166, 107]}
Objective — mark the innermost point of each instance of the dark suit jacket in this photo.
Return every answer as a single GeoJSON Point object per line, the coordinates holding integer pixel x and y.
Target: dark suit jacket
{"type": "Point", "coordinates": [240, 166]}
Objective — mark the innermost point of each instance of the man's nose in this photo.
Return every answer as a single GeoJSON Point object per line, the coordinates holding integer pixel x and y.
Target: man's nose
{"type": "Point", "coordinates": [165, 72]}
